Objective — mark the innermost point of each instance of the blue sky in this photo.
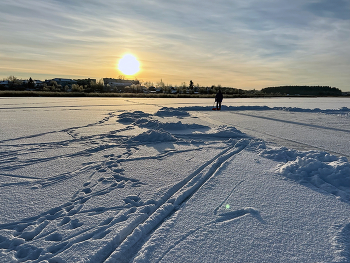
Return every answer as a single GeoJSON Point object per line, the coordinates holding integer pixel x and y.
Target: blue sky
{"type": "Point", "coordinates": [248, 44]}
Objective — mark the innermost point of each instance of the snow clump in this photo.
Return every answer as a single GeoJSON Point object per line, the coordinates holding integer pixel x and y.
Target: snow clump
{"type": "Point", "coordinates": [171, 112]}
{"type": "Point", "coordinates": [321, 169]}
{"type": "Point", "coordinates": [224, 132]}
{"type": "Point", "coordinates": [324, 171]}
{"type": "Point", "coordinates": [153, 136]}
{"type": "Point", "coordinates": [175, 126]}
{"type": "Point", "coordinates": [130, 117]}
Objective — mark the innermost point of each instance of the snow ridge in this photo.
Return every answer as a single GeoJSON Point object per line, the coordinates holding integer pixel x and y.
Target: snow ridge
{"type": "Point", "coordinates": [320, 169]}
{"type": "Point", "coordinates": [341, 243]}
{"type": "Point", "coordinates": [342, 110]}
{"type": "Point", "coordinates": [153, 136]}
{"type": "Point", "coordinates": [171, 112]}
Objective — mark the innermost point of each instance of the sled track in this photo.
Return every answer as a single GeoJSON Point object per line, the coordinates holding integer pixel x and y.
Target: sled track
{"type": "Point", "coordinates": [294, 143]}
{"type": "Point", "coordinates": [273, 138]}
{"type": "Point", "coordinates": [145, 223]}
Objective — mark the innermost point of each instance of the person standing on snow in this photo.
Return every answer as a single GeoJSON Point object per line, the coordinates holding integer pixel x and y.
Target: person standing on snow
{"type": "Point", "coordinates": [218, 99]}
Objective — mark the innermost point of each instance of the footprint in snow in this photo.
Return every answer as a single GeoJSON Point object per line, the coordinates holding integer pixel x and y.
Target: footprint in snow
{"type": "Point", "coordinates": [86, 184]}
{"type": "Point", "coordinates": [87, 190]}
{"type": "Point", "coordinates": [133, 200]}
{"type": "Point", "coordinates": [75, 223]}
{"type": "Point", "coordinates": [64, 221]}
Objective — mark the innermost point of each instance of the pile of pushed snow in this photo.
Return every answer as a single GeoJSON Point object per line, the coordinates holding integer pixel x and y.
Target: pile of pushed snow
{"type": "Point", "coordinates": [130, 117]}
{"type": "Point", "coordinates": [147, 123]}
{"type": "Point", "coordinates": [153, 136]}
{"type": "Point", "coordinates": [171, 112]}
{"type": "Point", "coordinates": [280, 154]}
{"type": "Point", "coordinates": [342, 111]}
{"type": "Point", "coordinates": [224, 131]}
{"type": "Point", "coordinates": [154, 124]}
{"type": "Point", "coordinates": [327, 172]}
{"type": "Point", "coordinates": [323, 170]}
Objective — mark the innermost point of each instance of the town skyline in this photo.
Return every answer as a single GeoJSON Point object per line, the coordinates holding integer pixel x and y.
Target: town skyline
{"type": "Point", "coordinates": [247, 45]}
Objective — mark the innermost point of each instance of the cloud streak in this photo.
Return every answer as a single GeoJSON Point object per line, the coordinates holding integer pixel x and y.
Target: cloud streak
{"type": "Point", "coordinates": [243, 44]}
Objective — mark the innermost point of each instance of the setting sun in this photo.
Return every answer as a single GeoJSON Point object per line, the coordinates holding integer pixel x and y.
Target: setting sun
{"type": "Point", "coordinates": [129, 65]}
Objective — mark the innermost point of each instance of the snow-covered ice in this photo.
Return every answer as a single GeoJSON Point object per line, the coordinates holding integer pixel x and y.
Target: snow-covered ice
{"type": "Point", "coordinates": [170, 180]}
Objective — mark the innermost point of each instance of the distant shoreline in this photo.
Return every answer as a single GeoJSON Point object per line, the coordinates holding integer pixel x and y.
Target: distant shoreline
{"type": "Point", "coordinates": [140, 95]}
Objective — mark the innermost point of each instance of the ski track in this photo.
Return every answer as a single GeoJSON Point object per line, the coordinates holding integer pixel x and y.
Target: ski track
{"type": "Point", "coordinates": [222, 218]}
{"type": "Point", "coordinates": [172, 200]}
{"type": "Point", "coordinates": [294, 122]}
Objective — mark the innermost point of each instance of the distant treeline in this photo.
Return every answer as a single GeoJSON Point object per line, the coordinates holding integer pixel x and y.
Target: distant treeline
{"type": "Point", "coordinates": [107, 87]}
{"type": "Point", "coordinates": [9, 93]}
{"type": "Point", "coordinates": [303, 90]}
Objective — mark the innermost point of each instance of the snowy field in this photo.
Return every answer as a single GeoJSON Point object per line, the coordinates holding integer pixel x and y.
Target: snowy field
{"type": "Point", "coordinates": [170, 180]}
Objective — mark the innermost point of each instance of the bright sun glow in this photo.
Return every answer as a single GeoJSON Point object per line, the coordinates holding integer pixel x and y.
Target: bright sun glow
{"type": "Point", "coordinates": [129, 65]}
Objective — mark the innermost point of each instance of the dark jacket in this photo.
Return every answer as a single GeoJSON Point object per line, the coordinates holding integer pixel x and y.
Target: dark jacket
{"type": "Point", "coordinates": [219, 96]}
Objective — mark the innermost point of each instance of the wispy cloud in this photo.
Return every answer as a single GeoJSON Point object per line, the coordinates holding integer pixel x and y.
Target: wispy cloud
{"type": "Point", "coordinates": [338, 9]}
{"type": "Point", "coordinates": [246, 44]}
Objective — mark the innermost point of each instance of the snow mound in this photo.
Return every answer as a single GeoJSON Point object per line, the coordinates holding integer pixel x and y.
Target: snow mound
{"type": "Point", "coordinates": [154, 124]}
{"type": "Point", "coordinates": [283, 154]}
{"type": "Point", "coordinates": [224, 131]}
{"type": "Point", "coordinates": [130, 117]}
{"type": "Point", "coordinates": [320, 169]}
{"type": "Point", "coordinates": [153, 136]}
{"type": "Point", "coordinates": [330, 174]}
{"type": "Point", "coordinates": [171, 112]}
{"type": "Point", "coordinates": [147, 123]}
{"type": "Point", "coordinates": [180, 126]}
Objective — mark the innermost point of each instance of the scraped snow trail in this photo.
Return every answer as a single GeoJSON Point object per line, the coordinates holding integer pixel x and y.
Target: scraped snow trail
{"type": "Point", "coordinates": [164, 180]}
{"type": "Point", "coordinates": [318, 131]}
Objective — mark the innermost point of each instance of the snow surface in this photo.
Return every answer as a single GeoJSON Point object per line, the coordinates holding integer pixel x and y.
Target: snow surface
{"type": "Point", "coordinates": [170, 180]}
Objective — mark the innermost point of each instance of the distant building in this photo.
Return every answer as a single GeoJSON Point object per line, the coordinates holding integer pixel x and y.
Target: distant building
{"type": "Point", "coordinates": [38, 82]}
{"type": "Point", "coordinates": [17, 84]}
{"type": "Point", "coordinates": [4, 85]}
{"type": "Point", "coordinates": [85, 81]}
{"type": "Point", "coordinates": [63, 82]}
{"type": "Point", "coordinates": [119, 83]}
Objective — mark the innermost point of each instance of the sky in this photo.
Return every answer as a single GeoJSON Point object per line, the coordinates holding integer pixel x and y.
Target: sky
{"type": "Point", "coordinates": [250, 44]}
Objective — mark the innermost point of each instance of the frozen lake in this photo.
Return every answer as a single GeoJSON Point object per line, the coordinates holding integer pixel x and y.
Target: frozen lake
{"type": "Point", "coordinates": [23, 116]}
{"type": "Point", "coordinates": [170, 180]}
{"type": "Point", "coordinates": [308, 103]}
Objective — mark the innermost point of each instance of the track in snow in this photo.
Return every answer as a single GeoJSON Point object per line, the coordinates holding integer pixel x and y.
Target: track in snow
{"type": "Point", "coordinates": [168, 204]}
{"type": "Point", "coordinates": [274, 138]}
